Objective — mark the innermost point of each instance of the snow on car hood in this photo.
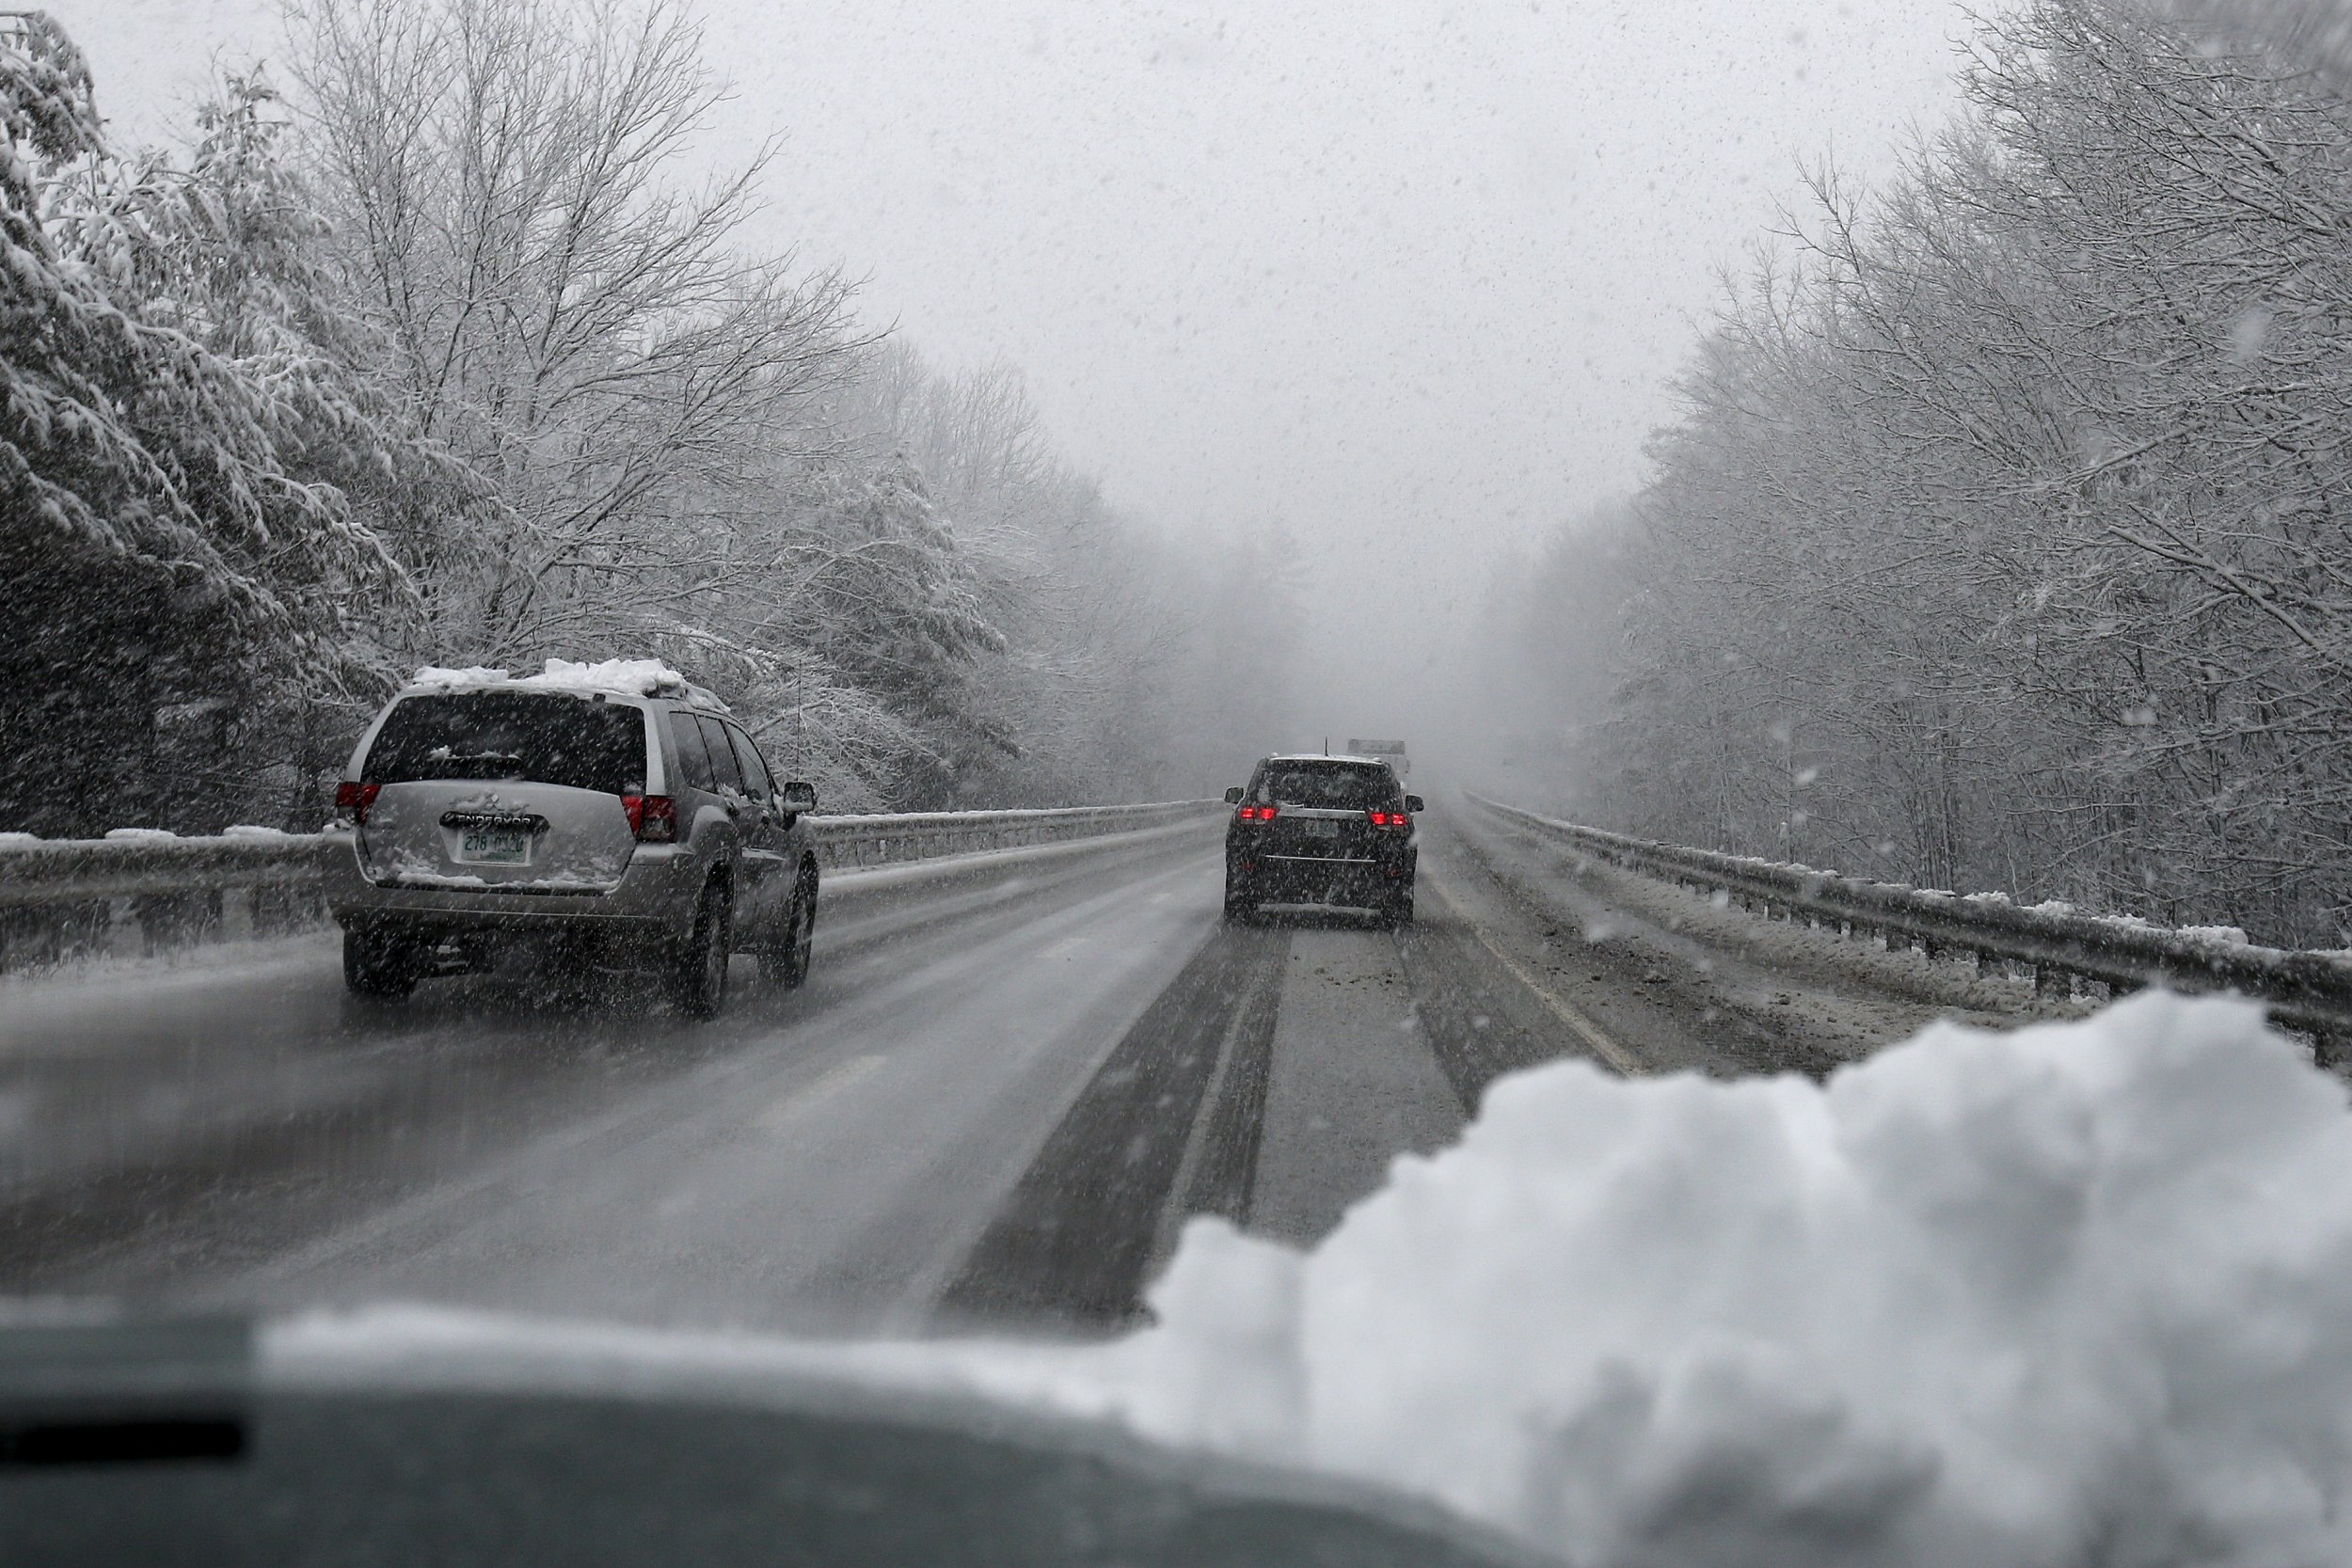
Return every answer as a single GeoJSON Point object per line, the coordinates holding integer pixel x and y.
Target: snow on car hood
{"type": "Point", "coordinates": [2080, 1293]}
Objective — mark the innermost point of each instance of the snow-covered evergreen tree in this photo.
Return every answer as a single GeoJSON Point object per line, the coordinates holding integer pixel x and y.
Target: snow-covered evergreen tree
{"type": "Point", "coordinates": [157, 529]}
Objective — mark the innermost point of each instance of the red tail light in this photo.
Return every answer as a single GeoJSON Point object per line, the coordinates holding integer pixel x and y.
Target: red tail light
{"type": "Point", "coordinates": [1256, 814]}
{"type": "Point", "coordinates": [355, 799]}
{"type": "Point", "coordinates": [652, 818]}
{"type": "Point", "coordinates": [1390, 819]}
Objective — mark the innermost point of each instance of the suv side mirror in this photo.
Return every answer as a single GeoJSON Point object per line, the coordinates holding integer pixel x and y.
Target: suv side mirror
{"type": "Point", "coordinates": [1232, 796]}
{"type": "Point", "coordinates": [1414, 804]}
{"type": "Point", "coordinates": [797, 797]}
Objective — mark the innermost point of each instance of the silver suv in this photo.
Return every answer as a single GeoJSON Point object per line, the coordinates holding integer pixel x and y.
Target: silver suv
{"type": "Point", "coordinates": [609, 812]}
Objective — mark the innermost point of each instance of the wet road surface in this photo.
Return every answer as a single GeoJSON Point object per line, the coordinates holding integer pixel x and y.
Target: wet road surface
{"type": "Point", "coordinates": [995, 1104]}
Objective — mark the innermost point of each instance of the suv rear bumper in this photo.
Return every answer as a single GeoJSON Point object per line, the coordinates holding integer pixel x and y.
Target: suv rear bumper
{"type": "Point", "coordinates": [655, 899]}
{"type": "Point", "coordinates": [1278, 879]}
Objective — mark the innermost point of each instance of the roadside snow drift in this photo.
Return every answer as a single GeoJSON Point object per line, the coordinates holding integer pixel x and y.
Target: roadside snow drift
{"type": "Point", "coordinates": [2076, 1294]}
{"type": "Point", "coordinates": [2079, 1294]}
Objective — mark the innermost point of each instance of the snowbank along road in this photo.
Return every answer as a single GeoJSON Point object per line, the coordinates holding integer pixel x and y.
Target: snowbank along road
{"type": "Point", "coordinates": [993, 1105]}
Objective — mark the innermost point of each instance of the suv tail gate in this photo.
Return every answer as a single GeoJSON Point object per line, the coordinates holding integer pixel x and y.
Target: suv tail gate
{"type": "Point", "coordinates": [518, 791]}
{"type": "Point", "coordinates": [1322, 834]}
{"type": "Point", "coordinates": [1321, 806]}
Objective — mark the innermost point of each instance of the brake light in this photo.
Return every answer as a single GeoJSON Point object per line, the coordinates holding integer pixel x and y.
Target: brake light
{"type": "Point", "coordinates": [1256, 814]}
{"type": "Point", "coordinates": [1390, 819]}
{"type": "Point", "coordinates": [355, 799]}
{"type": "Point", "coordinates": [652, 818]}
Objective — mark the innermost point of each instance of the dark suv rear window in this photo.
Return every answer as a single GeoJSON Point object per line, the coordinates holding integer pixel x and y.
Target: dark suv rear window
{"type": "Point", "coordinates": [1331, 786]}
{"type": "Point", "coordinates": [522, 735]}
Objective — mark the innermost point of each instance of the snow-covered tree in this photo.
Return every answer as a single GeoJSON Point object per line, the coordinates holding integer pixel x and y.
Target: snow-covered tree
{"type": "Point", "coordinates": [162, 533]}
{"type": "Point", "coordinates": [561, 305]}
{"type": "Point", "coordinates": [2002, 542]}
{"type": "Point", "coordinates": [444, 359]}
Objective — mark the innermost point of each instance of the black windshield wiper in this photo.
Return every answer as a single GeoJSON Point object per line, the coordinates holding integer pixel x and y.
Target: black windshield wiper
{"type": "Point", "coordinates": [105, 1392]}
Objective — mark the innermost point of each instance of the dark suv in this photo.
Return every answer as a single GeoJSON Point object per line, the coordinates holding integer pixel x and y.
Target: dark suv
{"type": "Point", "coordinates": [610, 812]}
{"type": "Point", "coordinates": [1320, 830]}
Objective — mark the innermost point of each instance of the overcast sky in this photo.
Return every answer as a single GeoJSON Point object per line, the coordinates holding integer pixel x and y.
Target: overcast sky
{"type": "Point", "coordinates": [1408, 276]}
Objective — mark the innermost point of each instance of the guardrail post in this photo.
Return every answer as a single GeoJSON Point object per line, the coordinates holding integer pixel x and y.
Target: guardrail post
{"type": "Point", "coordinates": [51, 933]}
{"type": "Point", "coordinates": [20, 933]}
{"type": "Point", "coordinates": [168, 920]}
{"type": "Point", "coordinates": [279, 909]}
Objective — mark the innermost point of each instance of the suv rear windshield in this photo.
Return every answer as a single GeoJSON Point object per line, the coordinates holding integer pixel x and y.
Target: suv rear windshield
{"type": "Point", "coordinates": [542, 737]}
{"type": "Point", "coordinates": [1332, 786]}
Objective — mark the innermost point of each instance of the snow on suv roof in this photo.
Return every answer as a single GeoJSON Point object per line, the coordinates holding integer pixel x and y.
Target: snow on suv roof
{"type": "Point", "coordinates": [1327, 756]}
{"type": "Point", "coordinates": [617, 677]}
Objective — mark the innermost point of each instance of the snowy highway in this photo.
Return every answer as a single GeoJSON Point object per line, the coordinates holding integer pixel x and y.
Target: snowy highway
{"type": "Point", "coordinates": [1010, 1078]}
{"type": "Point", "coordinates": [1080, 783]}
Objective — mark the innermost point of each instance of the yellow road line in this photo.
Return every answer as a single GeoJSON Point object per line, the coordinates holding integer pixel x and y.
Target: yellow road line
{"type": "Point", "coordinates": [1608, 1050]}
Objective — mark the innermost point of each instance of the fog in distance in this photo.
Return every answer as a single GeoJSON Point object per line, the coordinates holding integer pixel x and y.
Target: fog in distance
{"type": "Point", "coordinates": [1409, 281]}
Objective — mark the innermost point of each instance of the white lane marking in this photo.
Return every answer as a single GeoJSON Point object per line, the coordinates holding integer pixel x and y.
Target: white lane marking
{"type": "Point", "coordinates": [1066, 946]}
{"type": "Point", "coordinates": [840, 1077]}
{"type": "Point", "coordinates": [1608, 1050]}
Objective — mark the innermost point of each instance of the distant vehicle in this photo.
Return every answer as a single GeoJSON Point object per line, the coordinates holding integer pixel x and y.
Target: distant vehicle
{"type": "Point", "coordinates": [1390, 751]}
{"type": "Point", "coordinates": [610, 812]}
{"type": "Point", "coordinates": [1322, 830]}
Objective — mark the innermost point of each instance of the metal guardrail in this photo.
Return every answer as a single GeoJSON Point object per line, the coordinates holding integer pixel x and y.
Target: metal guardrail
{"type": "Point", "coordinates": [2310, 991]}
{"type": "Point", "coordinates": [842, 842]}
{"type": "Point", "coordinates": [139, 892]}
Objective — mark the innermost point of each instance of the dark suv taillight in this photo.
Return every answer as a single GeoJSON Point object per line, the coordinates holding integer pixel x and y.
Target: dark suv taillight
{"type": "Point", "coordinates": [1256, 814]}
{"type": "Point", "coordinates": [652, 818]}
{"type": "Point", "coordinates": [1390, 819]}
{"type": "Point", "coordinates": [352, 799]}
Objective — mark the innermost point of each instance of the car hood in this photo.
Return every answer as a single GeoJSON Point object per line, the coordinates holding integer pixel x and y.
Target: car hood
{"type": "Point", "coordinates": [410, 1434]}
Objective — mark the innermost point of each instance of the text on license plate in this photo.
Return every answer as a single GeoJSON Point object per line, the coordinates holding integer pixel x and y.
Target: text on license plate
{"type": "Point", "coordinates": [494, 846]}
{"type": "Point", "coordinates": [1321, 826]}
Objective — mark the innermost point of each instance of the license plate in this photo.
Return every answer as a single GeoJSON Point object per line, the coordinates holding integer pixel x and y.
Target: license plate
{"type": "Point", "coordinates": [494, 846]}
{"type": "Point", "coordinates": [1321, 826]}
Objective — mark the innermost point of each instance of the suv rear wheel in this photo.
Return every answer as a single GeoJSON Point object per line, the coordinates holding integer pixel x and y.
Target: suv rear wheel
{"type": "Point", "coordinates": [1239, 904]}
{"type": "Point", "coordinates": [698, 981]}
{"type": "Point", "coordinates": [378, 966]}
